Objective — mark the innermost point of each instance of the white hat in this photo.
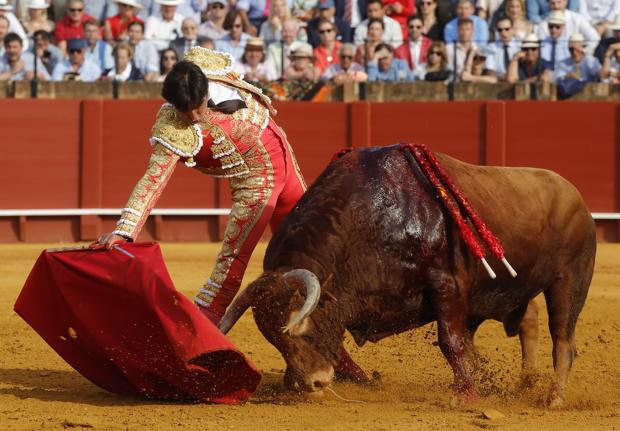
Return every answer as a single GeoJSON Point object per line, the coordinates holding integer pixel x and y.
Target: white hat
{"type": "Point", "coordinates": [5, 5]}
{"type": "Point", "coordinates": [556, 17]}
{"type": "Point", "coordinates": [530, 41]}
{"type": "Point", "coordinates": [616, 24]}
{"type": "Point", "coordinates": [224, 2]}
{"type": "Point", "coordinates": [133, 3]}
{"type": "Point", "coordinates": [577, 40]}
{"type": "Point", "coordinates": [169, 2]}
{"type": "Point", "coordinates": [37, 4]}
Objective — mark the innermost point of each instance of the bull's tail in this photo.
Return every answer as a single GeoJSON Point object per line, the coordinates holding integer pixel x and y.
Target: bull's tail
{"type": "Point", "coordinates": [440, 180]}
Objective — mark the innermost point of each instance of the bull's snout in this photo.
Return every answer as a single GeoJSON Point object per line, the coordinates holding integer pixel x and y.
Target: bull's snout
{"type": "Point", "coordinates": [313, 382]}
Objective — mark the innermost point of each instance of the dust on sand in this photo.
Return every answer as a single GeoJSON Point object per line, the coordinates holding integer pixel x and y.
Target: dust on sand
{"type": "Point", "coordinates": [38, 390]}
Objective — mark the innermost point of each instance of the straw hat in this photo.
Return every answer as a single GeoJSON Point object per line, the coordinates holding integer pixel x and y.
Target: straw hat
{"type": "Point", "coordinates": [5, 5]}
{"type": "Point", "coordinates": [577, 41]}
{"type": "Point", "coordinates": [301, 50]}
{"type": "Point", "coordinates": [133, 3]}
{"type": "Point", "coordinates": [255, 43]}
{"type": "Point", "coordinates": [616, 24]}
{"type": "Point", "coordinates": [556, 17]}
{"type": "Point", "coordinates": [169, 2]}
{"type": "Point", "coordinates": [37, 4]}
{"type": "Point", "coordinates": [530, 41]}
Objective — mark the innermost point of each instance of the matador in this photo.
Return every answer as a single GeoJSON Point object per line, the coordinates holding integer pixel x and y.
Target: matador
{"type": "Point", "coordinates": [227, 132]}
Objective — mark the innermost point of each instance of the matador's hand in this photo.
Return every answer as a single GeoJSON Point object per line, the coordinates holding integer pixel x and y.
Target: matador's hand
{"type": "Point", "coordinates": [108, 240]}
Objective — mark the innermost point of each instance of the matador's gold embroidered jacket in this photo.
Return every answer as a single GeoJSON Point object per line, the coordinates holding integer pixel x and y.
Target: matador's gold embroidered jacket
{"type": "Point", "coordinates": [216, 145]}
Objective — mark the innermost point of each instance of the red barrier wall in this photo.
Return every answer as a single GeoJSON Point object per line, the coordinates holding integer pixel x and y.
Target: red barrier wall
{"type": "Point", "coordinates": [89, 154]}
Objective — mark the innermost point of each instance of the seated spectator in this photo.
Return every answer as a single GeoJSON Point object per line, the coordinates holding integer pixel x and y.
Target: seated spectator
{"type": "Point", "coordinates": [399, 11]}
{"type": "Point", "coordinates": [252, 65]}
{"type": "Point", "coordinates": [392, 34]}
{"type": "Point", "coordinates": [49, 55]}
{"type": "Point", "coordinates": [97, 50]}
{"type": "Point", "coordinates": [376, 28]}
{"type": "Point", "coordinates": [71, 26]}
{"type": "Point", "coordinates": [76, 67]}
{"type": "Point", "coordinates": [326, 53]}
{"type": "Point", "coordinates": [213, 26]}
{"type": "Point", "coordinates": [580, 66]}
{"type": "Point", "coordinates": [304, 11]}
{"type": "Point", "coordinates": [302, 64]}
{"type": "Point", "coordinates": [601, 49]}
{"type": "Point", "coordinates": [115, 28]}
{"type": "Point", "coordinates": [515, 10]}
{"type": "Point", "coordinates": [554, 48]}
{"type": "Point", "coordinates": [602, 13]}
{"type": "Point", "coordinates": [14, 65]}
{"type": "Point", "coordinates": [414, 50]}
{"type": "Point", "coordinates": [4, 30]}
{"type": "Point", "coordinates": [486, 9]}
{"type": "Point", "coordinates": [457, 52]}
{"type": "Point", "coordinates": [163, 29]}
{"type": "Point", "coordinates": [384, 67]}
{"type": "Point", "coordinates": [465, 10]}
{"type": "Point", "coordinates": [192, 9]}
{"type": "Point", "coordinates": [538, 10]}
{"type": "Point", "coordinates": [37, 17]}
{"type": "Point", "coordinates": [98, 9]}
{"type": "Point", "coordinates": [277, 53]}
{"type": "Point", "coordinates": [207, 43]}
{"type": "Point", "coordinates": [527, 65]}
{"type": "Point", "coordinates": [503, 49]}
{"type": "Point", "coordinates": [326, 11]}
{"type": "Point", "coordinates": [167, 61]}
{"type": "Point", "coordinates": [145, 55]}
{"type": "Point", "coordinates": [436, 67]}
{"type": "Point", "coordinates": [6, 10]}
{"type": "Point", "coordinates": [233, 42]}
{"type": "Point", "coordinates": [346, 70]}
{"type": "Point", "coordinates": [574, 23]}
{"type": "Point", "coordinates": [475, 66]}
{"type": "Point", "coordinates": [610, 71]}
{"type": "Point", "coordinates": [253, 13]}
{"type": "Point", "coordinates": [190, 38]}
{"type": "Point", "coordinates": [124, 70]}
{"type": "Point", "coordinates": [271, 30]}
{"type": "Point", "coordinates": [431, 26]}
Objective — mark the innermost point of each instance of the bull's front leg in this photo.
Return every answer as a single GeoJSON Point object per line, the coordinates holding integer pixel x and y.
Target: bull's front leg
{"type": "Point", "coordinates": [451, 308]}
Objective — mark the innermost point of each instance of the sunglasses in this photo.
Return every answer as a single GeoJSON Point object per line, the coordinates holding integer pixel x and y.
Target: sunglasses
{"type": "Point", "coordinates": [434, 53]}
{"type": "Point", "coordinates": [237, 25]}
{"type": "Point", "coordinates": [503, 29]}
{"type": "Point", "coordinates": [415, 27]}
{"type": "Point", "coordinates": [76, 10]}
{"type": "Point", "coordinates": [346, 57]}
{"type": "Point", "coordinates": [555, 25]}
{"type": "Point", "coordinates": [169, 57]}
{"type": "Point", "coordinates": [327, 30]}
{"type": "Point", "coordinates": [573, 49]}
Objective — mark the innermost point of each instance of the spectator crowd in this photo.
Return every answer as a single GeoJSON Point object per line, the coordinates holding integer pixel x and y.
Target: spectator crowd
{"type": "Point", "coordinates": [568, 42]}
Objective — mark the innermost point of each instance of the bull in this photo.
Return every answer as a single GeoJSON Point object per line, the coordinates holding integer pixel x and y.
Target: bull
{"type": "Point", "coordinates": [371, 249]}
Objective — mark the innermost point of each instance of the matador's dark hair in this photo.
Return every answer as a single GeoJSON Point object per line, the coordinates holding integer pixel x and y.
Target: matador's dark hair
{"type": "Point", "coordinates": [185, 86]}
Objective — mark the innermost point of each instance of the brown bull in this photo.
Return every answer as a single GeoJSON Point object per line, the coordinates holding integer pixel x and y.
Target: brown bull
{"type": "Point", "coordinates": [371, 249]}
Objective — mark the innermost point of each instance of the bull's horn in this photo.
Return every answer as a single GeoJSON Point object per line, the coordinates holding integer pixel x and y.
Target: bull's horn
{"type": "Point", "coordinates": [313, 294]}
{"type": "Point", "coordinates": [236, 310]}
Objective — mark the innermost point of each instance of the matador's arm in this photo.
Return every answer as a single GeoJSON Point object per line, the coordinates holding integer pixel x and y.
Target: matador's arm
{"type": "Point", "coordinates": [146, 193]}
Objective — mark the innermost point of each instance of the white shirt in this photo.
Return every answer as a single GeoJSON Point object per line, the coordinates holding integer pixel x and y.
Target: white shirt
{"type": "Point", "coordinates": [490, 6]}
{"type": "Point", "coordinates": [496, 62]}
{"type": "Point", "coordinates": [575, 23]}
{"type": "Point", "coordinates": [393, 33]}
{"type": "Point", "coordinates": [161, 32]}
{"type": "Point", "coordinates": [415, 47]}
{"type": "Point", "coordinates": [461, 56]}
{"type": "Point", "coordinates": [219, 93]}
{"type": "Point", "coordinates": [145, 57]}
{"type": "Point", "coordinates": [17, 28]}
{"type": "Point", "coordinates": [602, 10]}
{"type": "Point", "coordinates": [124, 76]}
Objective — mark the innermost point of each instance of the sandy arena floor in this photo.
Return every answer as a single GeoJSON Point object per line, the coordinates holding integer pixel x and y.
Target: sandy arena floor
{"type": "Point", "coordinates": [38, 390]}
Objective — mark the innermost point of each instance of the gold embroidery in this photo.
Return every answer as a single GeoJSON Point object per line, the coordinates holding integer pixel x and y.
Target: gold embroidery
{"type": "Point", "coordinates": [147, 191]}
{"type": "Point", "coordinates": [174, 131]}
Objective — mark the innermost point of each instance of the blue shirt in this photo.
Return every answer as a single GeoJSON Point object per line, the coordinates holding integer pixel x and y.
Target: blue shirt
{"type": "Point", "coordinates": [537, 70]}
{"type": "Point", "coordinates": [88, 72]}
{"type": "Point", "coordinates": [101, 55]}
{"type": "Point", "coordinates": [399, 72]}
{"type": "Point", "coordinates": [561, 51]}
{"type": "Point", "coordinates": [537, 10]}
{"type": "Point", "coordinates": [225, 45]}
{"type": "Point", "coordinates": [481, 31]}
{"type": "Point", "coordinates": [589, 65]}
{"type": "Point", "coordinates": [255, 8]}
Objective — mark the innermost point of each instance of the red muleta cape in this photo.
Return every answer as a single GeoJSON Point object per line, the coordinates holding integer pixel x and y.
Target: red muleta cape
{"type": "Point", "coordinates": [120, 322]}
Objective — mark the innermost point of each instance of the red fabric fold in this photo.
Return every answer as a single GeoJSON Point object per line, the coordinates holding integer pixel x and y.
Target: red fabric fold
{"type": "Point", "coordinates": [120, 322]}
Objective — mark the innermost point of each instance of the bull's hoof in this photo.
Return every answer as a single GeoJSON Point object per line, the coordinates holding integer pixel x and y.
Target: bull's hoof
{"type": "Point", "coordinates": [464, 399]}
{"type": "Point", "coordinates": [355, 376]}
{"type": "Point", "coordinates": [555, 400]}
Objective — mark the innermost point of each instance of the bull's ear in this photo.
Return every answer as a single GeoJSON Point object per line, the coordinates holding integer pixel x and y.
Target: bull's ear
{"type": "Point", "coordinates": [326, 295]}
